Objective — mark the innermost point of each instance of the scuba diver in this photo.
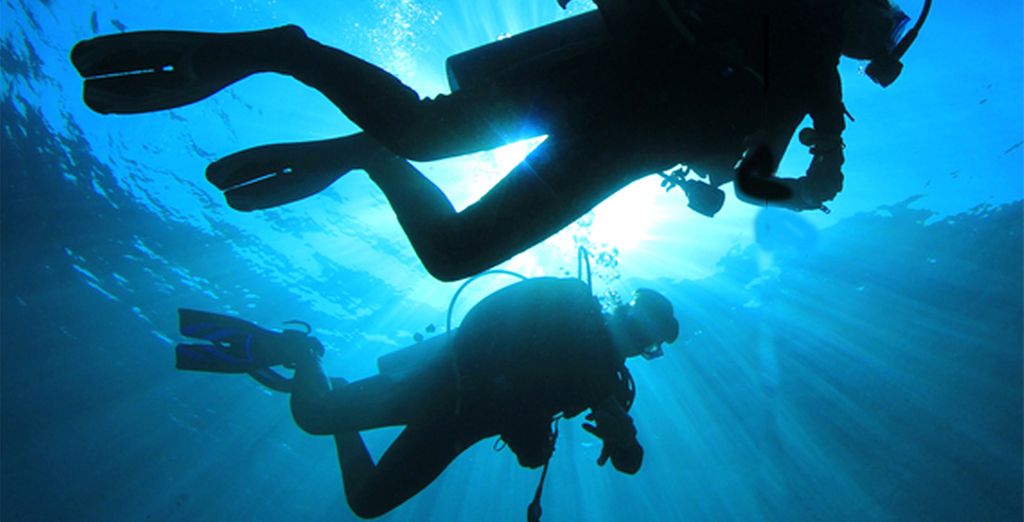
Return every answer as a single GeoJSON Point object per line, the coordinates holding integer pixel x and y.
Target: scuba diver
{"type": "Point", "coordinates": [524, 356]}
{"type": "Point", "coordinates": [637, 87]}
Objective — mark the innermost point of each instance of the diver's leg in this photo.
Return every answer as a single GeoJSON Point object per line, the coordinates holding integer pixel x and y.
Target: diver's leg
{"type": "Point", "coordinates": [556, 184]}
{"type": "Point", "coordinates": [395, 115]}
{"type": "Point", "coordinates": [411, 463]}
{"type": "Point", "coordinates": [155, 70]}
{"type": "Point", "coordinates": [374, 402]}
{"type": "Point", "coordinates": [320, 409]}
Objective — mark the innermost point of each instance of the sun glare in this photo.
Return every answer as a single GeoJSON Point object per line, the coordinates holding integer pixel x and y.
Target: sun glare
{"type": "Point", "coordinates": [627, 217]}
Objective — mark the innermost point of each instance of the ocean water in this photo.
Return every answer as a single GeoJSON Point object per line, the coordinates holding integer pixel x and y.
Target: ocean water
{"type": "Point", "coordinates": [860, 365]}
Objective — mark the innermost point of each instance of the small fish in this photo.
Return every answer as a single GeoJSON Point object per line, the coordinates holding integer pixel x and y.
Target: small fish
{"type": "Point", "coordinates": [94, 23]}
{"type": "Point", "coordinates": [418, 337]}
{"type": "Point", "coordinates": [954, 174]}
{"type": "Point", "coordinates": [983, 101]}
{"type": "Point", "coordinates": [120, 27]}
{"type": "Point", "coordinates": [1014, 147]}
{"type": "Point", "coordinates": [431, 328]}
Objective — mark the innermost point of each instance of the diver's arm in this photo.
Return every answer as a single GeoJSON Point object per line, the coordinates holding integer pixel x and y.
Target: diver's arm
{"type": "Point", "coordinates": [824, 177]}
{"type": "Point", "coordinates": [755, 181]}
{"type": "Point", "coordinates": [615, 429]}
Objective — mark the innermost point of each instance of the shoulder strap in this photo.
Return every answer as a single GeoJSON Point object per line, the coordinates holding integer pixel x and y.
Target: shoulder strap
{"type": "Point", "coordinates": [625, 392]}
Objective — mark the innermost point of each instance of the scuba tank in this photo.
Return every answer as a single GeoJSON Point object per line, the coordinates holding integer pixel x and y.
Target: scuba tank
{"type": "Point", "coordinates": [407, 361]}
{"type": "Point", "coordinates": [528, 53]}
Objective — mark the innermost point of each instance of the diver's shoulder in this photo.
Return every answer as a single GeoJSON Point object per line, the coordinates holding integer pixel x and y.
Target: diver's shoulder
{"type": "Point", "coordinates": [539, 289]}
{"type": "Point", "coordinates": [555, 284]}
{"type": "Point", "coordinates": [542, 292]}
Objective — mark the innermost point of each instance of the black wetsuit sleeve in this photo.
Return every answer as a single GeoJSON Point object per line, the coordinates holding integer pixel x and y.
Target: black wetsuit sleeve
{"type": "Point", "coordinates": [826, 104]}
{"type": "Point", "coordinates": [824, 176]}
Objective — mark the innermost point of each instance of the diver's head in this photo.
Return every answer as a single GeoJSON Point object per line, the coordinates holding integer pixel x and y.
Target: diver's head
{"type": "Point", "coordinates": [871, 31]}
{"type": "Point", "coordinates": [644, 324]}
{"type": "Point", "coordinates": [871, 28]}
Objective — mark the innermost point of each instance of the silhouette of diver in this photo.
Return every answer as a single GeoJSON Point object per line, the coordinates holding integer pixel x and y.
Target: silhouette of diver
{"type": "Point", "coordinates": [525, 355]}
{"type": "Point", "coordinates": [637, 87]}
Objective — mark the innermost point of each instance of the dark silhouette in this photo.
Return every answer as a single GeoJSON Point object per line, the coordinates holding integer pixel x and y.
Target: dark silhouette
{"type": "Point", "coordinates": [524, 356]}
{"type": "Point", "coordinates": [636, 88]}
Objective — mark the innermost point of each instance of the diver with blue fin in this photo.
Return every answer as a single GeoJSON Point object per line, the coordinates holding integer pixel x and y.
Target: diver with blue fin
{"type": "Point", "coordinates": [523, 357]}
{"type": "Point", "coordinates": [637, 87]}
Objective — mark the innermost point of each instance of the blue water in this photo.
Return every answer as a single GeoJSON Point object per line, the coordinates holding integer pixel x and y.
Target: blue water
{"type": "Point", "coordinates": [862, 365]}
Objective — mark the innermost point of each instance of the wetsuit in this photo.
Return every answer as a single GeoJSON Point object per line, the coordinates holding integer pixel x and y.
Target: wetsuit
{"type": "Point", "coordinates": [700, 87]}
{"type": "Point", "coordinates": [641, 101]}
{"type": "Point", "coordinates": [532, 351]}
{"type": "Point", "coordinates": [522, 355]}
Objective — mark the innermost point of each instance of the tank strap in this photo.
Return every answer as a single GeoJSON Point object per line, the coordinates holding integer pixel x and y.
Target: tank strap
{"type": "Point", "coordinates": [533, 511]}
{"type": "Point", "coordinates": [626, 393]}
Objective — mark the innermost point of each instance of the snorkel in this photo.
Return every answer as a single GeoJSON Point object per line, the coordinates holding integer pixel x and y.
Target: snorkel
{"type": "Point", "coordinates": [886, 68]}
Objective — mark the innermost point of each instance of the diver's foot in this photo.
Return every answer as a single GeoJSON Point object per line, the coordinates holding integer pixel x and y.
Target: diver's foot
{"type": "Point", "coordinates": [299, 348]}
{"type": "Point", "coordinates": [155, 70]}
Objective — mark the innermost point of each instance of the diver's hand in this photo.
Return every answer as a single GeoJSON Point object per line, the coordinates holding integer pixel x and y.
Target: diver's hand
{"type": "Point", "coordinates": [615, 428]}
{"type": "Point", "coordinates": [755, 182]}
{"type": "Point", "coordinates": [824, 178]}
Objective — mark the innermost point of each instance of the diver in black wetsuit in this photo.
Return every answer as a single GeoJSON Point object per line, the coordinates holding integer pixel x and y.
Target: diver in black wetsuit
{"type": "Point", "coordinates": [697, 82]}
{"type": "Point", "coordinates": [524, 356]}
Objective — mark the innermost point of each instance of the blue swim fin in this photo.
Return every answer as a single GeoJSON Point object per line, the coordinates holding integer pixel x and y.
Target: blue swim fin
{"type": "Point", "coordinates": [236, 345]}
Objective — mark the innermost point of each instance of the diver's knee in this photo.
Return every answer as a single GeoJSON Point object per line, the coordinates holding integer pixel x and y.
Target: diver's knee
{"type": "Point", "coordinates": [367, 511]}
{"type": "Point", "coordinates": [369, 506]}
{"type": "Point", "coordinates": [447, 271]}
{"type": "Point", "coordinates": [444, 274]}
{"type": "Point", "coordinates": [451, 250]}
{"type": "Point", "coordinates": [415, 134]}
{"type": "Point", "coordinates": [308, 420]}
{"type": "Point", "coordinates": [415, 146]}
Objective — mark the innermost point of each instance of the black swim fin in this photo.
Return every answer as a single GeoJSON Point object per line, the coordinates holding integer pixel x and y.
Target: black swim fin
{"type": "Point", "coordinates": [274, 175]}
{"type": "Point", "coordinates": [236, 345]}
{"type": "Point", "coordinates": [154, 70]}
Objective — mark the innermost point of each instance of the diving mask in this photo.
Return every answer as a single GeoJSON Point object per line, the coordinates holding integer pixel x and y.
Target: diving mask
{"type": "Point", "coordinates": [884, 69]}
